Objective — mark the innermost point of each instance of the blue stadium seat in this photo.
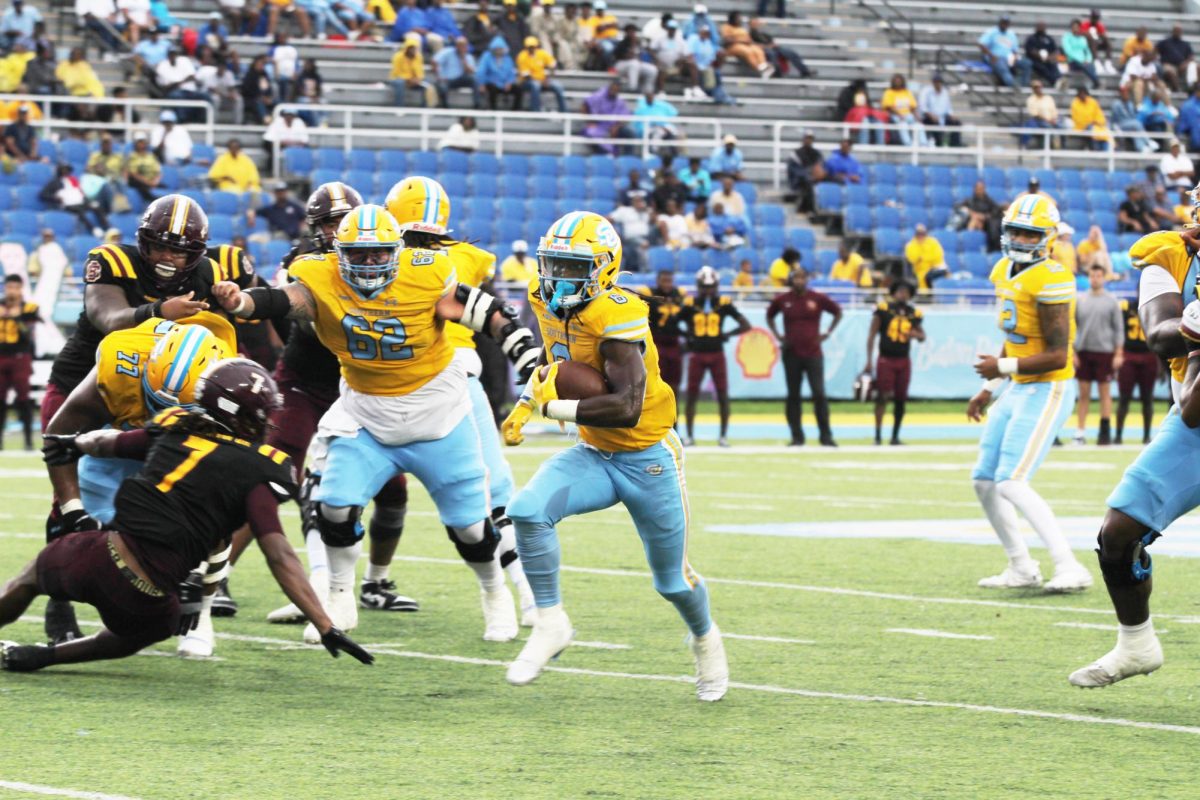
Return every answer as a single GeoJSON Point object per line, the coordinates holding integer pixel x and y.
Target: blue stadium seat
{"type": "Point", "coordinates": [8, 200]}
{"type": "Point", "coordinates": [455, 184]}
{"type": "Point", "coordinates": [127, 224]}
{"type": "Point", "coordinates": [937, 175]}
{"type": "Point", "coordinates": [828, 196]}
{"type": "Point", "coordinates": [801, 238]}
{"type": "Point", "coordinates": [514, 164]}
{"type": "Point", "coordinates": [363, 159]}
{"type": "Point", "coordinates": [1072, 200]}
{"type": "Point", "coordinates": [881, 193]}
{"type": "Point", "coordinates": [220, 227]}
{"type": "Point", "coordinates": [824, 260]}
{"type": "Point", "coordinates": [224, 203]}
{"type": "Point", "coordinates": [510, 208]}
{"type": "Point", "coordinates": [364, 181]}
{"type": "Point", "coordinates": [564, 207]}
{"type": "Point", "coordinates": [911, 196]}
{"type": "Point", "coordinates": [938, 216]}
{"type": "Point", "coordinates": [651, 163]}
{"type": "Point", "coordinates": [508, 230]}
{"type": "Point", "coordinates": [389, 160]}
{"type": "Point", "coordinates": [602, 166]}
{"type": "Point", "coordinates": [1100, 201]}
{"type": "Point", "coordinates": [480, 228]}
{"type": "Point", "coordinates": [690, 260]}
{"type": "Point", "coordinates": [941, 194]}
{"type": "Point", "coordinates": [910, 175]}
{"type": "Point", "coordinates": [888, 241]}
{"type": "Point", "coordinates": [1079, 219]}
{"type": "Point", "coordinates": [886, 217]}
{"type": "Point", "coordinates": [62, 223]}
{"type": "Point", "coordinates": [205, 153]}
{"type": "Point", "coordinates": [660, 258]}
{"type": "Point", "coordinates": [740, 254]}
{"type": "Point", "coordinates": [297, 160]}
{"type": "Point", "coordinates": [748, 191]}
{"type": "Point", "coordinates": [882, 173]}
{"type": "Point", "coordinates": [320, 176]}
{"type": "Point", "coordinates": [972, 241]}
{"type": "Point", "coordinates": [22, 224]}
{"type": "Point", "coordinates": [72, 151]}
{"type": "Point", "coordinates": [993, 175]}
{"type": "Point", "coordinates": [329, 158]}
{"type": "Point", "coordinates": [483, 162]}
{"type": "Point", "coordinates": [547, 187]}
{"type": "Point", "coordinates": [1127, 240]}
{"type": "Point", "coordinates": [513, 186]}
{"type": "Point", "coordinates": [482, 184]}
{"type": "Point", "coordinates": [913, 216]}
{"type": "Point", "coordinates": [276, 249]}
{"type": "Point", "coordinates": [544, 165]}
{"type": "Point", "coordinates": [626, 163]}
{"type": "Point", "coordinates": [193, 175]}
{"type": "Point", "coordinates": [770, 238]}
{"type": "Point", "coordinates": [768, 215]}
{"type": "Point", "coordinates": [948, 239]}
{"type": "Point", "coordinates": [977, 264]}
{"type": "Point", "coordinates": [573, 166]}
{"type": "Point", "coordinates": [857, 219]}
{"type": "Point", "coordinates": [35, 174]}
{"type": "Point", "coordinates": [964, 177]}
{"type": "Point", "coordinates": [1107, 220]}
{"type": "Point", "coordinates": [600, 188]}
{"type": "Point", "coordinates": [476, 205]}
{"type": "Point", "coordinates": [1049, 179]}
{"type": "Point", "coordinates": [542, 209]}
{"type": "Point", "coordinates": [172, 178]}
{"type": "Point", "coordinates": [422, 162]}
{"type": "Point", "coordinates": [1094, 180]}
{"type": "Point", "coordinates": [857, 194]}
{"type": "Point", "coordinates": [454, 161]}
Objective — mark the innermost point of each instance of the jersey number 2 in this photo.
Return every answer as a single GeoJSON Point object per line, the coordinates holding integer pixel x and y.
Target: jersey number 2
{"type": "Point", "coordinates": [1008, 322]}
{"type": "Point", "coordinates": [382, 338]}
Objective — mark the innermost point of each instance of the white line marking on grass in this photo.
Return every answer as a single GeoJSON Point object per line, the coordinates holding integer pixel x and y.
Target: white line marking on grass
{"type": "Point", "coordinates": [1095, 626]}
{"type": "Point", "coordinates": [939, 634]}
{"type": "Point", "coordinates": [33, 788]}
{"type": "Point", "coordinates": [601, 645]}
{"type": "Point", "coordinates": [778, 639]}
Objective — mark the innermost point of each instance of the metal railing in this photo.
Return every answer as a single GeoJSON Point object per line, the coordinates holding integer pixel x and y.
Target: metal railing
{"type": "Point", "coordinates": [910, 36]}
{"type": "Point", "coordinates": [49, 104]}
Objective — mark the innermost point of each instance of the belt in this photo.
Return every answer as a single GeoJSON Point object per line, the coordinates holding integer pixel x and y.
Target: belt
{"type": "Point", "coordinates": [141, 584]}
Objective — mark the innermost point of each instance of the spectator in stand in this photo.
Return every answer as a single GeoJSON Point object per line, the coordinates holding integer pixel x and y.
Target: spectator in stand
{"type": "Point", "coordinates": [736, 41]}
{"type": "Point", "coordinates": [286, 8]}
{"type": "Point", "coordinates": [143, 172]}
{"type": "Point", "coordinates": [479, 29]}
{"type": "Point", "coordinates": [12, 66]}
{"type": "Point", "coordinates": [64, 192]}
{"type": "Point", "coordinates": [925, 258]}
{"type": "Point", "coordinates": [39, 77]}
{"type": "Point", "coordinates": [543, 23]}
{"type": "Point", "coordinates": [729, 197]}
{"type": "Point", "coordinates": [234, 171]}
{"type": "Point", "coordinates": [672, 226]}
{"type": "Point", "coordinates": [704, 52]}
{"type": "Point", "coordinates": [1156, 113]}
{"type": "Point", "coordinates": [1001, 50]}
{"type": "Point", "coordinates": [176, 78]}
{"type": "Point", "coordinates": [659, 133]}
{"type": "Point", "coordinates": [512, 26]}
{"type": "Point", "coordinates": [355, 16]}
{"type": "Point", "coordinates": [133, 18]}
{"type": "Point", "coordinates": [214, 33]}
{"type": "Point", "coordinates": [669, 190]}
{"type": "Point", "coordinates": [497, 75]}
{"type": "Point", "coordinates": [1063, 250]}
{"type": "Point", "coordinates": [781, 57]}
{"type": "Point", "coordinates": [1176, 57]}
{"type": "Point", "coordinates": [981, 213]}
{"type": "Point", "coordinates": [1138, 43]}
{"type": "Point", "coordinates": [805, 168]}
{"type": "Point", "coordinates": [570, 38]}
{"type": "Point", "coordinates": [258, 93]}
{"type": "Point", "coordinates": [1154, 179]}
{"type": "Point", "coordinates": [1078, 52]}
{"type": "Point", "coordinates": [1124, 117]}
{"type": "Point", "coordinates": [729, 230]}
{"type": "Point", "coordinates": [934, 108]}
{"type": "Point", "coordinates": [443, 30]}
{"type": "Point", "coordinates": [842, 167]}
{"type": "Point", "coordinates": [763, 5]}
{"type": "Point", "coordinates": [851, 267]}
{"type": "Point", "coordinates": [519, 267]}
{"type": "Point", "coordinates": [284, 215]}
{"type": "Point", "coordinates": [697, 180]}
{"type": "Point", "coordinates": [726, 159]}
{"type": "Point", "coordinates": [1141, 73]}
{"type": "Point", "coordinates": [100, 17]}
{"type": "Point", "coordinates": [1040, 111]}
{"type": "Point", "coordinates": [1183, 209]}
{"type": "Point", "coordinates": [20, 139]}
{"type": "Point", "coordinates": [454, 68]}
{"type": "Point", "coordinates": [901, 108]}
{"type": "Point", "coordinates": [1042, 53]}
{"type": "Point", "coordinates": [17, 23]}
{"type": "Point", "coordinates": [867, 120]}
{"type": "Point", "coordinates": [1086, 115]}
{"type": "Point", "coordinates": [638, 75]}
{"type": "Point", "coordinates": [462, 136]}
{"type": "Point", "coordinates": [79, 79]}
{"type": "Point", "coordinates": [221, 83]}
{"type": "Point", "coordinates": [309, 87]}
{"type": "Point", "coordinates": [673, 58]}
{"type": "Point", "coordinates": [240, 15]}
{"type": "Point", "coordinates": [744, 279]}
{"type": "Point", "coordinates": [286, 130]}
{"type": "Point", "coordinates": [1094, 250]}
{"type": "Point", "coordinates": [782, 268]}
{"type": "Point", "coordinates": [108, 165]}
{"type": "Point", "coordinates": [701, 19]}
{"type": "Point", "coordinates": [408, 73]}
{"type": "Point", "coordinates": [1134, 215]}
{"type": "Point", "coordinates": [286, 59]}
{"type": "Point", "coordinates": [700, 234]}
{"type": "Point", "coordinates": [1188, 123]}
{"type": "Point", "coordinates": [606, 101]}
{"type": "Point", "coordinates": [1162, 211]}
{"type": "Point", "coordinates": [1096, 32]}
{"type": "Point", "coordinates": [535, 66]}
{"type": "Point", "coordinates": [655, 29]}
{"type": "Point", "coordinates": [151, 51]}
{"type": "Point", "coordinates": [635, 187]}
{"type": "Point", "coordinates": [635, 224]}
{"type": "Point", "coordinates": [605, 30]}
{"type": "Point", "coordinates": [171, 143]}
{"type": "Point", "coordinates": [1176, 166]}
{"type": "Point", "coordinates": [848, 97]}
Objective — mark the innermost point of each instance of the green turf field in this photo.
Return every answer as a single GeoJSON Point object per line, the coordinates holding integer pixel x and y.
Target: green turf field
{"type": "Point", "coordinates": [835, 698]}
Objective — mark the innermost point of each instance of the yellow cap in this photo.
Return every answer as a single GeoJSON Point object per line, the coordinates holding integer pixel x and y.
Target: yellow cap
{"type": "Point", "coordinates": [531, 41]}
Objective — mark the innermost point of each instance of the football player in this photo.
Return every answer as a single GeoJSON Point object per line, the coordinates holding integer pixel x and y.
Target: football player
{"type": "Point", "coordinates": [666, 300]}
{"type": "Point", "coordinates": [702, 321]}
{"type": "Point", "coordinates": [17, 318]}
{"type": "Point", "coordinates": [257, 341]}
{"type": "Point", "coordinates": [895, 324]}
{"type": "Point", "coordinates": [308, 376]}
{"type": "Point", "coordinates": [1037, 314]}
{"type": "Point", "coordinates": [405, 406]}
{"type": "Point", "coordinates": [1163, 483]}
{"type": "Point", "coordinates": [205, 474]}
{"type": "Point", "coordinates": [1139, 369]}
{"type": "Point", "coordinates": [422, 209]}
{"type": "Point", "coordinates": [629, 452]}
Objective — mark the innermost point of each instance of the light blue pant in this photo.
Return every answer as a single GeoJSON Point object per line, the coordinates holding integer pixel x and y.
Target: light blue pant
{"type": "Point", "coordinates": [500, 477]}
{"type": "Point", "coordinates": [450, 468]}
{"type": "Point", "coordinates": [1163, 483]}
{"type": "Point", "coordinates": [99, 479]}
{"type": "Point", "coordinates": [1021, 427]}
{"type": "Point", "coordinates": [650, 483]}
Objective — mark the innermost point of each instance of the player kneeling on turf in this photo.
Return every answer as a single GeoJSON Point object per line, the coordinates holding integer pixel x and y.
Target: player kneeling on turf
{"type": "Point", "coordinates": [206, 473]}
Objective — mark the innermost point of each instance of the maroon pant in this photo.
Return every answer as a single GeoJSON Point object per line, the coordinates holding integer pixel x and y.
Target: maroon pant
{"type": "Point", "coordinates": [52, 401]}
{"type": "Point", "coordinates": [1094, 367]}
{"type": "Point", "coordinates": [670, 366]}
{"type": "Point", "coordinates": [80, 567]}
{"type": "Point", "coordinates": [1140, 370]}
{"type": "Point", "coordinates": [892, 376]}
{"type": "Point", "coordinates": [296, 423]}
{"type": "Point", "coordinates": [15, 371]}
{"type": "Point", "coordinates": [714, 363]}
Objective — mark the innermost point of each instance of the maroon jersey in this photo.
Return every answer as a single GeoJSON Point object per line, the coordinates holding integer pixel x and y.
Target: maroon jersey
{"type": "Point", "coordinates": [664, 311]}
{"type": "Point", "coordinates": [802, 320]}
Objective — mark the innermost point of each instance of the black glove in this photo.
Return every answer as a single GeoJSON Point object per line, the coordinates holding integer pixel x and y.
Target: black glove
{"type": "Point", "coordinates": [59, 450]}
{"type": "Point", "coordinates": [191, 595]}
{"type": "Point", "coordinates": [335, 641]}
{"type": "Point", "coordinates": [60, 524]}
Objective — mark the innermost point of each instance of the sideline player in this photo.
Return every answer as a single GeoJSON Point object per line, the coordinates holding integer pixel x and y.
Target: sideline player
{"type": "Point", "coordinates": [666, 301]}
{"type": "Point", "coordinates": [628, 452]}
{"type": "Point", "coordinates": [1139, 370]}
{"type": "Point", "coordinates": [422, 209]}
{"type": "Point", "coordinates": [895, 324]}
{"type": "Point", "coordinates": [206, 473]}
{"type": "Point", "coordinates": [404, 406]}
{"type": "Point", "coordinates": [1163, 483]}
{"type": "Point", "coordinates": [1036, 300]}
{"type": "Point", "coordinates": [702, 321]}
{"type": "Point", "coordinates": [17, 318]}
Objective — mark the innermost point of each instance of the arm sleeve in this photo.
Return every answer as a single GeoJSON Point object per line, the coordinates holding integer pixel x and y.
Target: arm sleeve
{"type": "Point", "coordinates": [262, 511]}
{"type": "Point", "coordinates": [773, 309]}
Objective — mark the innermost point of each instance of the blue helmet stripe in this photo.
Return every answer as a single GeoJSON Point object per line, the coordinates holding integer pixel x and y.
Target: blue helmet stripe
{"type": "Point", "coordinates": [431, 201]}
{"type": "Point", "coordinates": [180, 366]}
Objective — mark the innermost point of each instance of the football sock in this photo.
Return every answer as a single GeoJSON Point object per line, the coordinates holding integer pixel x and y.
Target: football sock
{"type": "Point", "coordinates": [318, 559]}
{"type": "Point", "coordinates": [341, 565]}
{"type": "Point", "coordinates": [507, 551]}
{"type": "Point", "coordinates": [1135, 637]}
{"type": "Point", "coordinates": [1147, 419]}
{"type": "Point", "coordinates": [1003, 517]}
{"type": "Point", "coordinates": [898, 419]}
{"type": "Point", "coordinates": [376, 572]}
{"type": "Point", "coordinates": [693, 607]}
{"type": "Point", "coordinates": [491, 577]}
{"type": "Point", "coordinates": [540, 557]}
{"type": "Point", "coordinates": [1040, 516]}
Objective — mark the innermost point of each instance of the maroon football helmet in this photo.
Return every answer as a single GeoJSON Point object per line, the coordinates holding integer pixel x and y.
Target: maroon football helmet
{"type": "Point", "coordinates": [328, 203]}
{"type": "Point", "coordinates": [177, 222]}
{"type": "Point", "coordinates": [239, 395]}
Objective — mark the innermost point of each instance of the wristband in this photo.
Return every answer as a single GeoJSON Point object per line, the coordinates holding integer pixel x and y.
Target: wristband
{"type": "Point", "coordinates": [146, 311]}
{"type": "Point", "coordinates": [1194, 354]}
{"type": "Point", "coordinates": [993, 385]}
{"type": "Point", "coordinates": [241, 306]}
{"type": "Point", "coordinates": [71, 505]}
{"type": "Point", "coordinates": [1007, 366]}
{"type": "Point", "coordinates": [562, 410]}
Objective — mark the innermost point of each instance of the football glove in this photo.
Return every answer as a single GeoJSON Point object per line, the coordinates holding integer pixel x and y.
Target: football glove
{"type": "Point", "coordinates": [1189, 324]}
{"type": "Point", "coordinates": [60, 524]}
{"type": "Point", "coordinates": [543, 389]}
{"type": "Point", "coordinates": [191, 600]}
{"type": "Point", "coordinates": [337, 643]}
{"type": "Point", "coordinates": [510, 429]}
{"type": "Point", "coordinates": [59, 450]}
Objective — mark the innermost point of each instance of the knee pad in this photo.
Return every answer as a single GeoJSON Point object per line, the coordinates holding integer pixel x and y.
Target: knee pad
{"type": "Point", "coordinates": [309, 509]}
{"type": "Point", "coordinates": [501, 522]}
{"type": "Point", "coordinates": [387, 522]}
{"type": "Point", "coordinates": [476, 543]}
{"type": "Point", "coordinates": [1129, 567]}
{"type": "Point", "coordinates": [342, 532]}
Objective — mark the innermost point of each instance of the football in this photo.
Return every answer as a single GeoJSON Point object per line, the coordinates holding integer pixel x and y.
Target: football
{"type": "Point", "coordinates": [577, 381]}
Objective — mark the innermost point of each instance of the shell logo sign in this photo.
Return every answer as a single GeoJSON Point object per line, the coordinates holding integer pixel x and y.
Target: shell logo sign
{"type": "Point", "coordinates": [757, 353]}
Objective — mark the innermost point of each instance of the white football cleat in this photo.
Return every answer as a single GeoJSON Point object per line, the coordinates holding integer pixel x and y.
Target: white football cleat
{"type": "Point", "coordinates": [499, 615]}
{"type": "Point", "coordinates": [1117, 665]}
{"type": "Point", "coordinates": [1072, 578]}
{"type": "Point", "coordinates": [552, 633]}
{"type": "Point", "coordinates": [342, 609]}
{"type": "Point", "coordinates": [199, 642]}
{"type": "Point", "coordinates": [529, 613]}
{"type": "Point", "coordinates": [1012, 579]}
{"type": "Point", "coordinates": [712, 668]}
{"type": "Point", "coordinates": [290, 613]}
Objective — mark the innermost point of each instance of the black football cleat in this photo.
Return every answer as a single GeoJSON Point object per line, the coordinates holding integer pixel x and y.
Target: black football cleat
{"type": "Point", "coordinates": [223, 603]}
{"type": "Point", "coordinates": [381, 596]}
{"type": "Point", "coordinates": [61, 626]}
{"type": "Point", "coordinates": [24, 657]}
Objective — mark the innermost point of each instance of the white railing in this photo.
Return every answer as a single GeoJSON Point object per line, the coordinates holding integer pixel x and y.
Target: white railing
{"type": "Point", "coordinates": [125, 128]}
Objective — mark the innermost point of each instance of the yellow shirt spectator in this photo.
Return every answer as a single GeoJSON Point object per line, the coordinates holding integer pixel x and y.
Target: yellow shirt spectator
{"type": "Point", "coordinates": [1132, 46]}
{"type": "Point", "coordinates": [535, 64]}
{"type": "Point", "coordinates": [924, 253]}
{"type": "Point", "coordinates": [1064, 253]}
{"type": "Point", "coordinates": [851, 270]}
{"type": "Point", "coordinates": [12, 70]}
{"type": "Point", "coordinates": [79, 79]}
{"type": "Point", "coordinates": [408, 67]}
{"type": "Point", "coordinates": [234, 172]}
{"type": "Point", "coordinates": [382, 10]}
{"type": "Point", "coordinates": [8, 111]}
{"type": "Point", "coordinates": [898, 101]}
{"type": "Point", "coordinates": [1183, 214]}
{"type": "Point", "coordinates": [1086, 113]}
{"type": "Point", "coordinates": [516, 270]}
{"type": "Point", "coordinates": [743, 280]}
{"type": "Point", "coordinates": [603, 26]}
{"type": "Point", "coordinates": [779, 272]}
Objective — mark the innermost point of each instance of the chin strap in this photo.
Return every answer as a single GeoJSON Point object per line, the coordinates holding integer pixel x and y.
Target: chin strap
{"type": "Point", "coordinates": [555, 302]}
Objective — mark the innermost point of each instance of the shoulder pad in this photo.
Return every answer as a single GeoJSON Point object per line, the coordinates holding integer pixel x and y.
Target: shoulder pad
{"type": "Point", "coordinates": [108, 263]}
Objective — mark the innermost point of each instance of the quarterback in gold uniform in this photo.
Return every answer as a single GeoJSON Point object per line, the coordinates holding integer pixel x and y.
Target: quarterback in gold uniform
{"type": "Point", "coordinates": [629, 452]}
{"type": "Point", "coordinates": [404, 406]}
{"type": "Point", "coordinates": [1036, 301]}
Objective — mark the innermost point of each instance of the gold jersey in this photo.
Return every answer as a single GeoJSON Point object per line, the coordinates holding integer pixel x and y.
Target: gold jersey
{"type": "Point", "coordinates": [1019, 296]}
{"type": "Point", "coordinates": [391, 343]}
{"type": "Point", "coordinates": [473, 266]}
{"type": "Point", "coordinates": [1166, 249]}
{"type": "Point", "coordinates": [623, 316]}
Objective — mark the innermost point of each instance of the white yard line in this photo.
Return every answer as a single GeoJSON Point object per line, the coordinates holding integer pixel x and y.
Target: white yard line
{"type": "Point", "coordinates": [601, 645]}
{"type": "Point", "coordinates": [929, 632]}
{"type": "Point", "coordinates": [34, 788]}
{"type": "Point", "coordinates": [777, 639]}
